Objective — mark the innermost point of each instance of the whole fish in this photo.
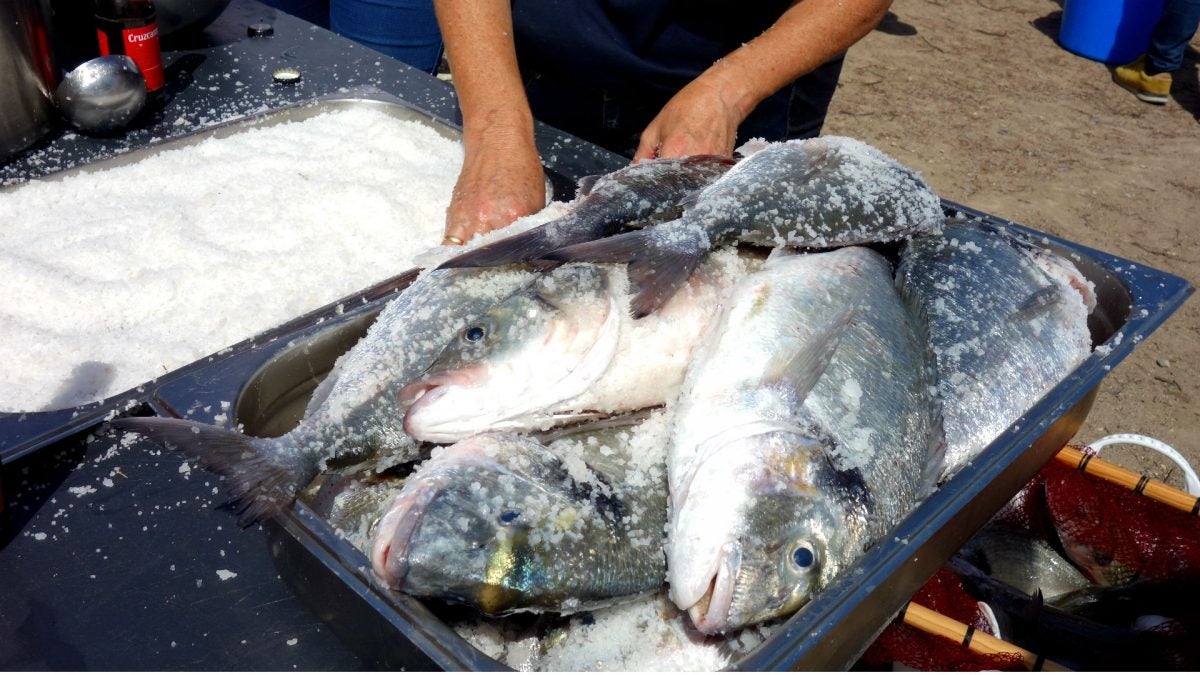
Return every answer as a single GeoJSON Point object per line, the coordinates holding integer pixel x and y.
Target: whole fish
{"type": "Point", "coordinates": [1118, 537]}
{"type": "Point", "coordinates": [804, 430]}
{"type": "Point", "coordinates": [1007, 322]}
{"type": "Point", "coordinates": [1023, 561]}
{"type": "Point", "coordinates": [506, 524]}
{"type": "Point", "coordinates": [355, 414]}
{"type": "Point", "coordinates": [636, 194]}
{"type": "Point", "coordinates": [562, 349]}
{"type": "Point", "coordinates": [814, 193]}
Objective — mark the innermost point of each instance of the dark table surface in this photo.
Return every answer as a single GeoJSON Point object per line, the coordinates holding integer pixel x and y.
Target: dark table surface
{"type": "Point", "coordinates": [116, 557]}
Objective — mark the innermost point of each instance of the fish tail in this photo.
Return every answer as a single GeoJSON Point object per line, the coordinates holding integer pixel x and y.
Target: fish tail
{"type": "Point", "coordinates": [261, 480]}
{"type": "Point", "coordinates": [655, 270]}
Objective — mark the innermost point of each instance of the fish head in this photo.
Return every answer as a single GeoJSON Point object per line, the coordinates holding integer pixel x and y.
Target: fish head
{"type": "Point", "coordinates": [510, 368]}
{"type": "Point", "coordinates": [773, 550]}
{"type": "Point", "coordinates": [456, 531]}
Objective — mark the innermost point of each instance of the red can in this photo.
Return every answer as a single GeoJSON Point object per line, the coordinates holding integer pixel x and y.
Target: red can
{"type": "Point", "coordinates": [130, 27]}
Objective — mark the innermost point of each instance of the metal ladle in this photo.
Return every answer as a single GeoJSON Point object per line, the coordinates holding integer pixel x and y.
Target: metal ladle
{"type": "Point", "coordinates": [102, 94]}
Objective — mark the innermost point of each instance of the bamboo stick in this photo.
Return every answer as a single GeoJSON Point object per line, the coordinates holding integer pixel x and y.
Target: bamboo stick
{"type": "Point", "coordinates": [923, 618]}
{"type": "Point", "coordinates": [1092, 465]}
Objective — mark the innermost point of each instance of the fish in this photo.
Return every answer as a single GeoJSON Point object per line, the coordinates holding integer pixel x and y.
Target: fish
{"type": "Point", "coordinates": [633, 195]}
{"type": "Point", "coordinates": [1143, 602]}
{"type": "Point", "coordinates": [813, 193]}
{"type": "Point", "coordinates": [564, 349]}
{"type": "Point", "coordinates": [1007, 321]}
{"type": "Point", "coordinates": [506, 524]}
{"type": "Point", "coordinates": [1025, 562]}
{"type": "Point", "coordinates": [1117, 537]}
{"type": "Point", "coordinates": [1076, 641]}
{"type": "Point", "coordinates": [805, 429]}
{"type": "Point", "coordinates": [353, 414]}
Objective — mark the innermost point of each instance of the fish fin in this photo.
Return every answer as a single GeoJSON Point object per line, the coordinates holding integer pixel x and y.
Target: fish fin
{"type": "Point", "coordinates": [722, 160]}
{"type": "Point", "coordinates": [586, 184]}
{"type": "Point", "coordinates": [655, 271]}
{"type": "Point", "coordinates": [802, 365]}
{"type": "Point", "coordinates": [653, 219]}
{"type": "Point", "coordinates": [935, 455]}
{"type": "Point", "coordinates": [751, 147]}
{"type": "Point", "coordinates": [521, 247]}
{"type": "Point", "coordinates": [1037, 304]}
{"type": "Point", "coordinates": [261, 482]}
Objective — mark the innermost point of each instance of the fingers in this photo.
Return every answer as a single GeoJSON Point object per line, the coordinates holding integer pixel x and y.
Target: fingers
{"type": "Point", "coordinates": [500, 181]}
{"type": "Point", "coordinates": [649, 146]}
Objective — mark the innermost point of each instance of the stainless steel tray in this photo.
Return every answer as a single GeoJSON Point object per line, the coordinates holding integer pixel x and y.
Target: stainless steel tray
{"type": "Point", "coordinates": [270, 383]}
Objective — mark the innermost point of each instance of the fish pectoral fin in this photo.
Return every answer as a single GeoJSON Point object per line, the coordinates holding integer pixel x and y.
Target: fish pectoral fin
{"type": "Point", "coordinates": [655, 270]}
{"type": "Point", "coordinates": [1038, 304]}
{"type": "Point", "coordinates": [522, 247]}
{"type": "Point", "coordinates": [800, 366]}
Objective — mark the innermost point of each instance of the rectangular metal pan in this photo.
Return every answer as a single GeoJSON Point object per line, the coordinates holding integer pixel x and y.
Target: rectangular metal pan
{"type": "Point", "coordinates": [270, 381]}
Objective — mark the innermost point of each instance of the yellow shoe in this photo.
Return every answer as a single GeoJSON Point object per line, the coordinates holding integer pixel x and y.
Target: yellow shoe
{"type": "Point", "coordinates": [1149, 88]}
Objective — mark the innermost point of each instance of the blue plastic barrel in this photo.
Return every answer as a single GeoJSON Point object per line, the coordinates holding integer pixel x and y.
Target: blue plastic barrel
{"type": "Point", "coordinates": [1112, 31]}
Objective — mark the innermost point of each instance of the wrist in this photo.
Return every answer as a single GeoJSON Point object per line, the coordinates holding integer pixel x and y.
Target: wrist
{"type": "Point", "coordinates": [509, 126]}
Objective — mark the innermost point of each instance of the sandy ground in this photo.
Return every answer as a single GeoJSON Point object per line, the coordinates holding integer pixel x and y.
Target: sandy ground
{"type": "Point", "coordinates": [979, 96]}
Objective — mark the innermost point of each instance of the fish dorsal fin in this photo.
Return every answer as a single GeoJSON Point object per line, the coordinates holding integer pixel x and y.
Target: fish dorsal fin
{"type": "Point", "coordinates": [585, 185]}
{"type": "Point", "coordinates": [751, 147]}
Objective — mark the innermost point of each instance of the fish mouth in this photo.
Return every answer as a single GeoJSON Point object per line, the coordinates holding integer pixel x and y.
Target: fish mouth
{"type": "Point", "coordinates": [414, 391]}
{"type": "Point", "coordinates": [416, 396]}
{"type": "Point", "coordinates": [711, 614]}
{"type": "Point", "coordinates": [395, 532]}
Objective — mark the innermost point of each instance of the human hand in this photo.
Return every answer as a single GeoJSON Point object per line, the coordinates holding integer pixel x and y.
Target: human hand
{"type": "Point", "coordinates": [500, 181]}
{"type": "Point", "coordinates": [699, 120]}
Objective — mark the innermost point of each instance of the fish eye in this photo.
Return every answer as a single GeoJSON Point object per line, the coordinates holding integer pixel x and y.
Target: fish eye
{"type": "Point", "coordinates": [474, 334]}
{"type": "Point", "coordinates": [804, 556]}
{"type": "Point", "coordinates": [508, 516]}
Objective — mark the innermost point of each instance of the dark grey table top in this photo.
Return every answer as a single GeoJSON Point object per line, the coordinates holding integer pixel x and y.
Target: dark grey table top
{"type": "Point", "coordinates": [117, 558]}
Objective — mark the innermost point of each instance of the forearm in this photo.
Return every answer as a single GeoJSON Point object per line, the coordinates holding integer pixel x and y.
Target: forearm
{"type": "Point", "coordinates": [483, 59]}
{"type": "Point", "coordinates": [807, 35]}
{"type": "Point", "coordinates": [501, 179]}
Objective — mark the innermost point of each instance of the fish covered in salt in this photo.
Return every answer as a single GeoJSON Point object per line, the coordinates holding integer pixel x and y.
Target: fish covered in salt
{"type": "Point", "coordinates": [805, 429]}
{"type": "Point", "coordinates": [813, 193]}
{"type": "Point", "coordinates": [1007, 321]}
{"type": "Point", "coordinates": [505, 524]}
{"type": "Point", "coordinates": [565, 348]}
{"type": "Point", "coordinates": [353, 413]}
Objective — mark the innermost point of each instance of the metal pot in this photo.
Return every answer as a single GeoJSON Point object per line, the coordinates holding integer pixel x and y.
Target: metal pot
{"type": "Point", "coordinates": [27, 75]}
{"type": "Point", "coordinates": [180, 16]}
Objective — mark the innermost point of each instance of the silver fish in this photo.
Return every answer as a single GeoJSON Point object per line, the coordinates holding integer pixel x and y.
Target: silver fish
{"type": "Point", "coordinates": [355, 414]}
{"type": "Point", "coordinates": [804, 430]}
{"type": "Point", "coordinates": [562, 349]}
{"type": "Point", "coordinates": [506, 524]}
{"type": "Point", "coordinates": [636, 194]}
{"type": "Point", "coordinates": [814, 193]}
{"type": "Point", "coordinates": [1007, 321]}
